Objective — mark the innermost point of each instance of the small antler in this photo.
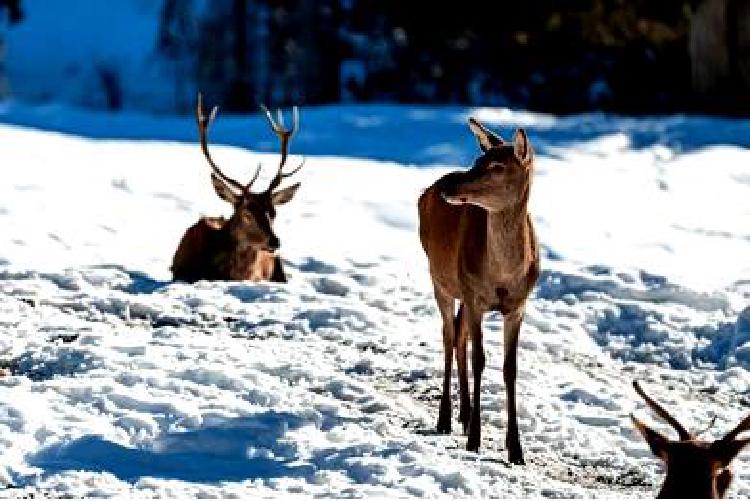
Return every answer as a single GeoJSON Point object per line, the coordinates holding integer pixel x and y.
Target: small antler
{"type": "Point", "coordinates": [661, 412]}
{"type": "Point", "coordinates": [704, 430]}
{"type": "Point", "coordinates": [285, 135]}
{"type": "Point", "coordinates": [255, 176]}
{"type": "Point", "coordinates": [743, 426]}
{"type": "Point", "coordinates": [203, 124]}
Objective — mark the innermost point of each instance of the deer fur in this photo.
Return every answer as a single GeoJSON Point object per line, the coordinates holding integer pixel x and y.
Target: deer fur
{"type": "Point", "coordinates": [482, 252]}
{"type": "Point", "coordinates": [696, 469]}
{"type": "Point", "coordinates": [243, 247]}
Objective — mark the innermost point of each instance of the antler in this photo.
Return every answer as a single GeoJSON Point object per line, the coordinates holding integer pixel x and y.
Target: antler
{"type": "Point", "coordinates": [743, 426]}
{"type": "Point", "coordinates": [704, 430]}
{"type": "Point", "coordinates": [285, 135]}
{"type": "Point", "coordinates": [203, 123]}
{"type": "Point", "coordinates": [661, 412]}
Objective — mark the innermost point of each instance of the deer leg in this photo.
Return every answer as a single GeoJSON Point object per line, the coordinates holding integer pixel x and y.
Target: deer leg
{"type": "Point", "coordinates": [445, 305]}
{"type": "Point", "coordinates": [278, 274]}
{"type": "Point", "coordinates": [511, 330]}
{"type": "Point", "coordinates": [473, 326]}
{"type": "Point", "coordinates": [461, 337]}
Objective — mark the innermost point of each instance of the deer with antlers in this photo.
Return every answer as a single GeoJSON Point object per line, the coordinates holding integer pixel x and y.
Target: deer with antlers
{"type": "Point", "coordinates": [695, 468]}
{"type": "Point", "coordinates": [482, 252]}
{"type": "Point", "coordinates": [243, 247]}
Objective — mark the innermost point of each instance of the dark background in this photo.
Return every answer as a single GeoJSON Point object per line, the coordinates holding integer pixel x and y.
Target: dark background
{"type": "Point", "coordinates": [633, 57]}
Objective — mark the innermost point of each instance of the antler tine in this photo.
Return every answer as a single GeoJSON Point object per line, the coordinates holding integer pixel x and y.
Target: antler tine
{"type": "Point", "coordinates": [295, 121]}
{"type": "Point", "coordinates": [743, 426]}
{"type": "Point", "coordinates": [285, 135]}
{"type": "Point", "coordinates": [203, 123]}
{"type": "Point", "coordinates": [295, 170]}
{"type": "Point", "coordinates": [661, 412]}
{"type": "Point", "coordinates": [270, 119]}
{"type": "Point", "coordinates": [255, 176]}
{"type": "Point", "coordinates": [280, 175]}
{"type": "Point", "coordinates": [710, 425]}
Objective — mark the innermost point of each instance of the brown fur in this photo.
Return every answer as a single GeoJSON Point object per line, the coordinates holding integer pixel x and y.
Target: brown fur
{"type": "Point", "coordinates": [208, 252]}
{"type": "Point", "coordinates": [695, 468]}
{"type": "Point", "coordinates": [244, 246]}
{"type": "Point", "coordinates": [482, 253]}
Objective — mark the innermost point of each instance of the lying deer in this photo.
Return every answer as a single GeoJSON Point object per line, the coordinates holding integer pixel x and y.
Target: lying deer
{"type": "Point", "coordinates": [244, 246]}
{"type": "Point", "coordinates": [695, 468]}
{"type": "Point", "coordinates": [482, 251]}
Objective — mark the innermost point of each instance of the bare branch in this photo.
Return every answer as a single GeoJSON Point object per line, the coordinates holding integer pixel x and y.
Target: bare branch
{"type": "Point", "coordinates": [661, 412]}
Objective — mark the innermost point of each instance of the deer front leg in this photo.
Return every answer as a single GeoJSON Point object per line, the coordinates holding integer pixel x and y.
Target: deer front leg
{"type": "Point", "coordinates": [473, 326]}
{"type": "Point", "coordinates": [445, 305]}
{"type": "Point", "coordinates": [461, 338]}
{"type": "Point", "coordinates": [511, 331]}
{"type": "Point", "coordinates": [278, 274]}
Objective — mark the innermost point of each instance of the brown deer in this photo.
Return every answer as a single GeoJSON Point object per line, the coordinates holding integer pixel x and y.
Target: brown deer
{"type": "Point", "coordinates": [695, 468]}
{"type": "Point", "coordinates": [244, 246]}
{"type": "Point", "coordinates": [482, 252]}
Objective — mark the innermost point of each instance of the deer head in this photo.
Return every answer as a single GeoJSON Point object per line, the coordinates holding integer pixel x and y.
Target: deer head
{"type": "Point", "coordinates": [695, 468]}
{"type": "Point", "coordinates": [500, 177]}
{"type": "Point", "coordinates": [254, 212]}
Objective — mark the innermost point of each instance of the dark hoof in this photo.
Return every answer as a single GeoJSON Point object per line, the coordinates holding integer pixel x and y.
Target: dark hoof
{"type": "Point", "coordinates": [472, 445]}
{"type": "Point", "coordinates": [515, 456]}
{"type": "Point", "coordinates": [444, 426]}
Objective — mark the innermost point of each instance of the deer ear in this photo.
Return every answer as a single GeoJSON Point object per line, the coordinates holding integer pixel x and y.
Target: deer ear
{"type": "Point", "coordinates": [223, 190]}
{"type": "Point", "coordinates": [283, 196]}
{"type": "Point", "coordinates": [487, 139]}
{"type": "Point", "coordinates": [656, 441]}
{"type": "Point", "coordinates": [522, 147]}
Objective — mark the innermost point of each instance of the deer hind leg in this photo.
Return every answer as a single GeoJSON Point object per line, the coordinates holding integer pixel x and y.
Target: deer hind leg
{"type": "Point", "coordinates": [461, 339]}
{"type": "Point", "coordinates": [473, 327]}
{"type": "Point", "coordinates": [511, 331]}
{"type": "Point", "coordinates": [445, 305]}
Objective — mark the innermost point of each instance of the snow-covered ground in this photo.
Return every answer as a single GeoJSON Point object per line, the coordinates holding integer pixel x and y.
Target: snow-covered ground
{"type": "Point", "coordinates": [119, 382]}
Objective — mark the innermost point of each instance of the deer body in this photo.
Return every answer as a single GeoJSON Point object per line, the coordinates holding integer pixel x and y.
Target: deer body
{"type": "Point", "coordinates": [208, 251]}
{"type": "Point", "coordinates": [482, 252]}
{"type": "Point", "coordinates": [244, 246]}
{"type": "Point", "coordinates": [477, 255]}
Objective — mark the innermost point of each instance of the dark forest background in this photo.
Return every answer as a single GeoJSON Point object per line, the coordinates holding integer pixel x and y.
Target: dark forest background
{"type": "Point", "coordinates": [639, 56]}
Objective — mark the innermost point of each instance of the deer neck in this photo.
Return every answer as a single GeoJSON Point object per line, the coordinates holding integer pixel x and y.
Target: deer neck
{"type": "Point", "coordinates": [241, 253]}
{"type": "Point", "coordinates": [509, 238]}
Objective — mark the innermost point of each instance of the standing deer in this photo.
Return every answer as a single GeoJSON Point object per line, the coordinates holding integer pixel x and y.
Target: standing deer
{"type": "Point", "coordinates": [695, 468]}
{"type": "Point", "coordinates": [482, 251]}
{"type": "Point", "coordinates": [244, 246]}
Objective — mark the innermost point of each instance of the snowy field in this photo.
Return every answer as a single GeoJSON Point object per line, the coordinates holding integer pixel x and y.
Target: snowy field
{"type": "Point", "coordinates": [118, 382]}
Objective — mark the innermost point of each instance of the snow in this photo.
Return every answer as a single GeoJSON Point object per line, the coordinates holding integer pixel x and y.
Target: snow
{"type": "Point", "coordinates": [124, 383]}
